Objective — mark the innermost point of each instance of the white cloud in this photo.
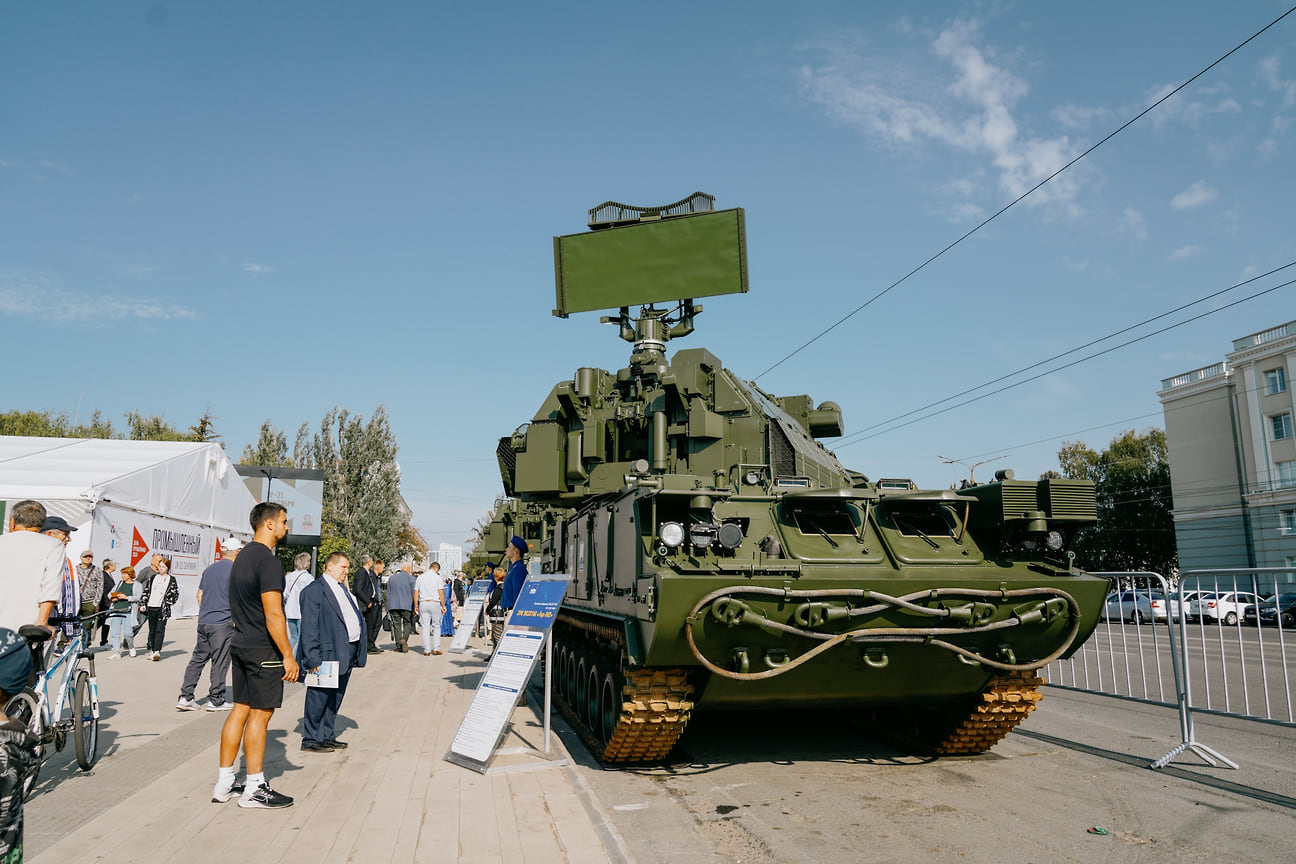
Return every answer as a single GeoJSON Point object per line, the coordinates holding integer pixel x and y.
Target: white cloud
{"type": "Point", "coordinates": [965, 212]}
{"type": "Point", "coordinates": [1077, 117]}
{"type": "Point", "coordinates": [1184, 252]}
{"type": "Point", "coordinates": [1194, 196]}
{"type": "Point", "coordinates": [1284, 87]}
{"type": "Point", "coordinates": [1133, 224]}
{"type": "Point", "coordinates": [257, 269]}
{"type": "Point", "coordinates": [35, 297]}
{"type": "Point", "coordinates": [1188, 106]}
{"type": "Point", "coordinates": [1267, 147]}
{"type": "Point", "coordinates": [970, 112]}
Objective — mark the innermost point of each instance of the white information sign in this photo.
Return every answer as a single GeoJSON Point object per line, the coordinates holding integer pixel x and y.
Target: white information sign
{"type": "Point", "coordinates": [484, 723]}
{"type": "Point", "coordinates": [476, 599]}
{"type": "Point", "coordinates": [510, 668]}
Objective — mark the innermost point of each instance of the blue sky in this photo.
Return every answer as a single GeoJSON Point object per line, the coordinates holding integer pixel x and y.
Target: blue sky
{"type": "Point", "coordinates": [267, 209]}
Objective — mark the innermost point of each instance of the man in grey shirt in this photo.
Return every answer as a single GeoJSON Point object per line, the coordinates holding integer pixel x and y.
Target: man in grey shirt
{"type": "Point", "coordinates": [400, 605]}
{"type": "Point", "coordinates": [215, 631]}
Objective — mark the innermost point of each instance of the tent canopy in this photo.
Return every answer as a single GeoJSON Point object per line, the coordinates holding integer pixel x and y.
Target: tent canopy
{"type": "Point", "coordinates": [191, 482]}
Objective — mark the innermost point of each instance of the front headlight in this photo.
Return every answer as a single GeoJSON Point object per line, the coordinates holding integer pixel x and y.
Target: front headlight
{"type": "Point", "coordinates": [1053, 540]}
{"type": "Point", "coordinates": [671, 534]}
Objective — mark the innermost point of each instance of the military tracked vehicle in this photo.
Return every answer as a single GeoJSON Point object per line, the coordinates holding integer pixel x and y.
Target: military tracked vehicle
{"type": "Point", "coordinates": [723, 558]}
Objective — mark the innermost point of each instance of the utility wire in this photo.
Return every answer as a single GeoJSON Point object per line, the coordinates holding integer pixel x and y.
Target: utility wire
{"type": "Point", "coordinates": [1089, 344]}
{"type": "Point", "coordinates": [1019, 198]}
{"type": "Point", "coordinates": [858, 438]}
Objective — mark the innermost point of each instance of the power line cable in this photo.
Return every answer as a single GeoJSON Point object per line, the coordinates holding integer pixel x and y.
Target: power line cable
{"type": "Point", "coordinates": [1068, 353]}
{"type": "Point", "coordinates": [1020, 198]}
{"type": "Point", "coordinates": [1047, 372]}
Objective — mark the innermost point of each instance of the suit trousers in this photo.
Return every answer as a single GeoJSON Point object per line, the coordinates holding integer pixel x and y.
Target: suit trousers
{"type": "Point", "coordinates": [322, 706]}
{"type": "Point", "coordinates": [373, 623]}
{"type": "Point", "coordinates": [213, 646]}
{"type": "Point", "coordinates": [402, 625]}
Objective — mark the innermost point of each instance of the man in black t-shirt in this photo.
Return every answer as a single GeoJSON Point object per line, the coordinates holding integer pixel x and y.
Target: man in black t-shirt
{"type": "Point", "coordinates": [260, 657]}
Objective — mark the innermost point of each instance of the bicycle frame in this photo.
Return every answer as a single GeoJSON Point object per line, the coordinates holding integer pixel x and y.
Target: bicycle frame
{"type": "Point", "coordinates": [65, 663]}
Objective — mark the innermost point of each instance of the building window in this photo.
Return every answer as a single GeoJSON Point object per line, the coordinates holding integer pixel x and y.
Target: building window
{"type": "Point", "coordinates": [1287, 521]}
{"type": "Point", "coordinates": [1282, 426]}
{"type": "Point", "coordinates": [1275, 382]}
{"type": "Point", "coordinates": [1286, 472]}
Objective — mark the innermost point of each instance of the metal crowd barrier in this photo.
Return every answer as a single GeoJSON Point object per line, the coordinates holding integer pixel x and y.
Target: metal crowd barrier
{"type": "Point", "coordinates": [1215, 663]}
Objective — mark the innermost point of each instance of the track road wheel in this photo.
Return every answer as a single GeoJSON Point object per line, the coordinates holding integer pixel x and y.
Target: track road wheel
{"type": "Point", "coordinates": [569, 679]}
{"type": "Point", "coordinates": [590, 710]}
{"type": "Point", "coordinates": [85, 726]}
{"type": "Point", "coordinates": [581, 687]}
{"type": "Point", "coordinates": [610, 705]}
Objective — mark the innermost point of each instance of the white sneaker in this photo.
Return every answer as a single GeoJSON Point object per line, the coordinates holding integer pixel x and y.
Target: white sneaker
{"type": "Point", "coordinates": [116, 655]}
{"type": "Point", "coordinates": [264, 798]}
{"type": "Point", "coordinates": [132, 652]}
{"type": "Point", "coordinates": [219, 706]}
{"type": "Point", "coordinates": [221, 794]}
{"type": "Point", "coordinates": [183, 704]}
{"type": "Point", "coordinates": [157, 655]}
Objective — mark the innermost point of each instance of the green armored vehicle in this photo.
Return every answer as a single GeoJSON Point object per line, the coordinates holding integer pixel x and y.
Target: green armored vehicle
{"type": "Point", "coordinates": [723, 558]}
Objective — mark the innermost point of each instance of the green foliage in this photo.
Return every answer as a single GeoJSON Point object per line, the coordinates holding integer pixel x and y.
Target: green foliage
{"type": "Point", "coordinates": [205, 429]}
{"type": "Point", "coordinates": [271, 448]}
{"type": "Point", "coordinates": [1135, 529]}
{"type": "Point", "coordinates": [152, 428]}
{"type": "Point", "coordinates": [363, 509]}
{"type": "Point", "coordinates": [45, 424]}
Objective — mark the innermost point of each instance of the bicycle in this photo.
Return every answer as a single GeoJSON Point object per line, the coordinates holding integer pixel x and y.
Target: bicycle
{"type": "Point", "coordinates": [76, 694]}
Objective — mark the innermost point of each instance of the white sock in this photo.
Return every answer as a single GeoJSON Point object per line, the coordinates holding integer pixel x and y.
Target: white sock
{"type": "Point", "coordinates": [254, 781]}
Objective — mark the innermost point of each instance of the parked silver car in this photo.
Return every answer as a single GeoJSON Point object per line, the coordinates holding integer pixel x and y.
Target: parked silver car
{"type": "Point", "coordinates": [1135, 606]}
{"type": "Point", "coordinates": [1222, 607]}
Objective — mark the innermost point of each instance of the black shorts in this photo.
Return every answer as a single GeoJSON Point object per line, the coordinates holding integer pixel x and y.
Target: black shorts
{"type": "Point", "coordinates": [258, 677]}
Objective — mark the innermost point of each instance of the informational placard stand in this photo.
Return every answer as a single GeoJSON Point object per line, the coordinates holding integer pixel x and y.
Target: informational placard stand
{"type": "Point", "coordinates": [526, 634]}
{"type": "Point", "coordinates": [473, 604]}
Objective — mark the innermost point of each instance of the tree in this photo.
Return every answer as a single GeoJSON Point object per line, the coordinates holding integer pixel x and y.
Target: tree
{"type": "Point", "coordinates": [43, 424]}
{"type": "Point", "coordinates": [271, 448]}
{"type": "Point", "coordinates": [363, 509]}
{"type": "Point", "coordinates": [1135, 529]}
{"type": "Point", "coordinates": [153, 428]}
{"type": "Point", "coordinates": [205, 429]}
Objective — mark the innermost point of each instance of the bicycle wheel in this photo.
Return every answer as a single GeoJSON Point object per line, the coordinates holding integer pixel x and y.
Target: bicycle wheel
{"type": "Point", "coordinates": [85, 726]}
{"type": "Point", "coordinates": [24, 708]}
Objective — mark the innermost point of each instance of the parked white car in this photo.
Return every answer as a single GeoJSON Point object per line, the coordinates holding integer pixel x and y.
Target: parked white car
{"type": "Point", "coordinates": [1224, 607]}
{"type": "Point", "coordinates": [1179, 601]}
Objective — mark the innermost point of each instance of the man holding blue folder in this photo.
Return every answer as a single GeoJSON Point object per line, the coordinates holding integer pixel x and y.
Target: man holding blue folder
{"type": "Point", "coordinates": [332, 632]}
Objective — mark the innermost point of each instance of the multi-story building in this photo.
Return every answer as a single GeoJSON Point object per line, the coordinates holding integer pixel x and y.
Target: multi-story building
{"type": "Point", "coordinates": [1232, 454]}
{"type": "Point", "coordinates": [449, 556]}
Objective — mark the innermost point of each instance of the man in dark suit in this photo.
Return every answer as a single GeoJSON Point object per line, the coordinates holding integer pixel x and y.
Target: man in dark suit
{"type": "Point", "coordinates": [367, 587]}
{"type": "Point", "coordinates": [332, 628]}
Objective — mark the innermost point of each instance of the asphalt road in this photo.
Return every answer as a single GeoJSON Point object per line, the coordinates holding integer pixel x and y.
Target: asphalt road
{"type": "Point", "coordinates": [817, 786]}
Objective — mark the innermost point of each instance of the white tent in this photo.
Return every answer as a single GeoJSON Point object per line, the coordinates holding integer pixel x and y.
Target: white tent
{"type": "Point", "coordinates": [129, 499]}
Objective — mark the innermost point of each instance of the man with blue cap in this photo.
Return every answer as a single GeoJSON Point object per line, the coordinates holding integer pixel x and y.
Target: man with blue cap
{"type": "Point", "coordinates": [17, 745]}
{"type": "Point", "coordinates": [517, 572]}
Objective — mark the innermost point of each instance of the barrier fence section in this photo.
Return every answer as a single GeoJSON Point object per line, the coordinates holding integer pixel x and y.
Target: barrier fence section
{"type": "Point", "coordinates": [1196, 649]}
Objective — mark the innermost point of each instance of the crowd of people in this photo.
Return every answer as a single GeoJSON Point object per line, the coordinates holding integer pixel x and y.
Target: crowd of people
{"type": "Point", "coordinates": [258, 626]}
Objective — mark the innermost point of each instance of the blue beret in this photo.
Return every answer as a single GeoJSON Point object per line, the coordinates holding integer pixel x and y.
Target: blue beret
{"type": "Point", "coordinates": [520, 544]}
